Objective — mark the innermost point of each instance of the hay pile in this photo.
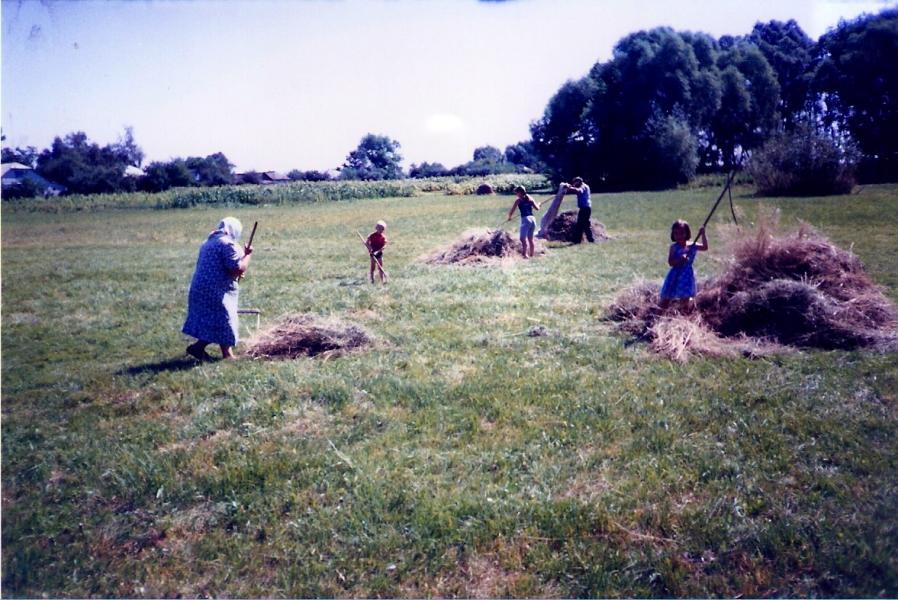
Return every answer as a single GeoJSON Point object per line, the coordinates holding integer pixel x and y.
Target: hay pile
{"type": "Point", "coordinates": [561, 229]}
{"type": "Point", "coordinates": [307, 335]}
{"type": "Point", "coordinates": [797, 290]}
{"type": "Point", "coordinates": [478, 246]}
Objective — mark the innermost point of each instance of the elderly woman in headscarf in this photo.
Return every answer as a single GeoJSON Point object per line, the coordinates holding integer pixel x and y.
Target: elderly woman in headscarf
{"type": "Point", "coordinates": [212, 302]}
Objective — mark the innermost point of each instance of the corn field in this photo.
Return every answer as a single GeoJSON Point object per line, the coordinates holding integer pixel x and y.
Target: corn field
{"type": "Point", "coordinates": [279, 194]}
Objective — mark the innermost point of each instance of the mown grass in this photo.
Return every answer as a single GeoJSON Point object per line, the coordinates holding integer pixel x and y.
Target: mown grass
{"type": "Point", "coordinates": [460, 456]}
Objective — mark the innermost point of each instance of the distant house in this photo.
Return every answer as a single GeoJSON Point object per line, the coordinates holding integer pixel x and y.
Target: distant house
{"type": "Point", "coordinates": [265, 177]}
{"type": "Point", "coordinates": [274, 177]}
{"type": "Point", "coordinates": [15, 176]}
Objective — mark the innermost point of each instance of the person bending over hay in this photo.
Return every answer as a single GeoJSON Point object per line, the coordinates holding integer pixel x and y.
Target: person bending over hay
{"type": "Point", "coordinates": [212, 300]}
{"type": "Point", "coordinates": [563, 226]}
{"type": "Point", "coordinates": [306, 335]}
{"type": "Point", "coordinates": [476, 247]}
{"type": "Point", "coordinates": [798, 290]}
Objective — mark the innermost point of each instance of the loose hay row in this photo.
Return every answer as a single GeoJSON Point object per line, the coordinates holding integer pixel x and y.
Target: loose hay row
{"type": "Point", "coordinates": [562, 228]}
{"type": "Point", "coordinates": [306, 335]}
{"type": "Point", "coordinates": [478, 246]}
{"type": "Point", "coordinates": [798, 290]}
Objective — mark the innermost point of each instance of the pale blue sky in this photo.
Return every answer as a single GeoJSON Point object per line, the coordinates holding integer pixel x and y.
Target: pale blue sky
{"type": "Point", "coordinates": [286, 84]}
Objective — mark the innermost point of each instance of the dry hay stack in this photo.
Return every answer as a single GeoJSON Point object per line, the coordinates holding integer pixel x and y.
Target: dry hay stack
{"type": "Point", "coordinates": [797, 290]}
{"type": "Point", "coordinates": [478, 246]}
{"type": "Point", "coordinates": [307, 335]}
{"type": "Point", "coordinates": [561, 229]}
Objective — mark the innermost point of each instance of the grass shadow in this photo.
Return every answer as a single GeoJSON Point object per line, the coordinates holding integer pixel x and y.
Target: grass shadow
{"type": "Point", "coordinates": [182, 363]}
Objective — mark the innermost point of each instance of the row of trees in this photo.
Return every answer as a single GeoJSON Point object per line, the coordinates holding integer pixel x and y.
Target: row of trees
{"type": "Point", "coordinates": [85, 167]}
{"type": "Point", "coordinates": [81, 165]}
{"type": "Point", "coordinates": [377, 157]}
{"type": "Point", "coordinates": [670, 104]}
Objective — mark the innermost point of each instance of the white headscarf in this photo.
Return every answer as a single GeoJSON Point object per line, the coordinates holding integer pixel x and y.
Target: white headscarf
{"type": "Point", "coordinates": [230, 227]}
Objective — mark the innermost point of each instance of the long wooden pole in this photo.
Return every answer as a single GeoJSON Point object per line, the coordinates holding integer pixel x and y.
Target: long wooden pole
{"type": "Point", "coordinates": [249, 244]}
{"type": "Point", "coordinates": [723, 192]}
{"type": "Point", "coordinates": [252, 234]}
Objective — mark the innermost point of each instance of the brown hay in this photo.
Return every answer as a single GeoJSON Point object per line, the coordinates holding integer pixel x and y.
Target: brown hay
{"type": "Point", "coordinates": [478, 246]}
{"type": "Point", "coordinates": [796, 290]}
{"type": "Point", "coordinates": [561, 229]}
{"type": "Point", "coordinates": [307, 335]}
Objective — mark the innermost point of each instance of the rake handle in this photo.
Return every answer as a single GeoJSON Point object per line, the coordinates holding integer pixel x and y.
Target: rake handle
{"type": "Point", "coordinates": [723, 192]}
{"type": "Point", "coordinates": [252, 234]}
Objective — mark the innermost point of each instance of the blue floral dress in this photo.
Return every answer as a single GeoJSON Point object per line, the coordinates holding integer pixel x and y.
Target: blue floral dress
{"type": "Point", "coordinates": [212, 302]}
{"type": "Point", "coordinates": [680, 281]}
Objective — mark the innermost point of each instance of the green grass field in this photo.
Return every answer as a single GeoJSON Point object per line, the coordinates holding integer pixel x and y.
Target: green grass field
{"type": "Point", "coordinates": [459, 456]}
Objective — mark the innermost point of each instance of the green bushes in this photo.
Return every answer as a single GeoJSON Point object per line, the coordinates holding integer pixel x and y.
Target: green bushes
{"type": "Point", "coordinates": [804, 162]}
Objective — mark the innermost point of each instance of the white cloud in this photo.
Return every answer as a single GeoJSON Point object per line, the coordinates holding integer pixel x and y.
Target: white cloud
{"type": "Point", "coordinates": [442, 123]}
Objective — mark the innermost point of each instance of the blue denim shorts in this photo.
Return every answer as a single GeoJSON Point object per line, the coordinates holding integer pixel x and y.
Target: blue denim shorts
{"type": "Point", "coordinates": [528, 226]}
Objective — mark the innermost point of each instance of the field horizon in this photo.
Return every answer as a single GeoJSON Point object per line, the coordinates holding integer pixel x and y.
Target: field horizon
{"type": "Point", "coordinates": [458, 456]}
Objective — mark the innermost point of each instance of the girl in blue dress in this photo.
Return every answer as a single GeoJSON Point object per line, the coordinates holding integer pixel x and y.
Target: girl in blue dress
{"type": "Point", "coordinates": [679, 285]}
{"type": "Point", "coordinates": [212, 302]}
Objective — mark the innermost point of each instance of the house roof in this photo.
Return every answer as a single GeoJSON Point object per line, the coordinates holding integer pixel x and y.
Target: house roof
{"type": "Point", "coordinates": [132, 171]}
{"type": "Point", "coordinates": [275, 176]}
{"type": "Point", "coordinates": [10, 166]}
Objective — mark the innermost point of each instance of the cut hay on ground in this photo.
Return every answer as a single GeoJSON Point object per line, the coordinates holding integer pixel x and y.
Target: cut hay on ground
{"type": "Point", "coordinates": [798, 290]}
{"type": "Point", "coordinates": [307, 335]}
{"type": "Point", "coordinates": [478, 246]}
{"type": "Point", "coordinates": [561, 229]}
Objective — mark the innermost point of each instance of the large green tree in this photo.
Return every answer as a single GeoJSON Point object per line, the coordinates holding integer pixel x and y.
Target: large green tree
{"type": "Point", "coordinates": [858, 81]}
{"type": "Point", "coordinates": [83, 166]}
{"type": "Point", "coordinates": [748, 109]}
{"type": "Point", "coordinates": [666, 105]}
{"type": "Point", "coordinates": [376, 157]}
{"type": "Point", "coordinates": [791, 54]}
{"type": "Point", "coordinates": [214, 169]}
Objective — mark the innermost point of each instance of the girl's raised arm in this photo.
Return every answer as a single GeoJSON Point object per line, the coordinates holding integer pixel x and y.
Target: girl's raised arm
{"type": "Point", "coordinates": [704, 245]}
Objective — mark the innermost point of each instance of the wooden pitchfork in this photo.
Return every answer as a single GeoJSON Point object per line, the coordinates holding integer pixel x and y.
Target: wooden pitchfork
{"type": "Point", "coordinates": [249, 244]}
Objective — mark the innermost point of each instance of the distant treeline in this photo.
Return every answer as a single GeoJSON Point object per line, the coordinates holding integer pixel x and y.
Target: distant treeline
{"type": "Point", "coordinates": [85, 167]}
{"type": "Point", "coordinates": [809, 116]}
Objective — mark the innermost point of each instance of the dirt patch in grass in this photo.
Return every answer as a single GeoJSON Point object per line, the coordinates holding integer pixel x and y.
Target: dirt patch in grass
{"type": "Point", "coordinates": [480, 246]}
{"type": "Point", "coordinates": [779, 292]}
{"type": "Point", "coordinates": [310, 422]}
{"type": "Point", "coordinates": [500, 571]}
{"type": "Point", "coordinates": [304, 335]}
{"type": "Point", "coordinates": [561, 229]}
